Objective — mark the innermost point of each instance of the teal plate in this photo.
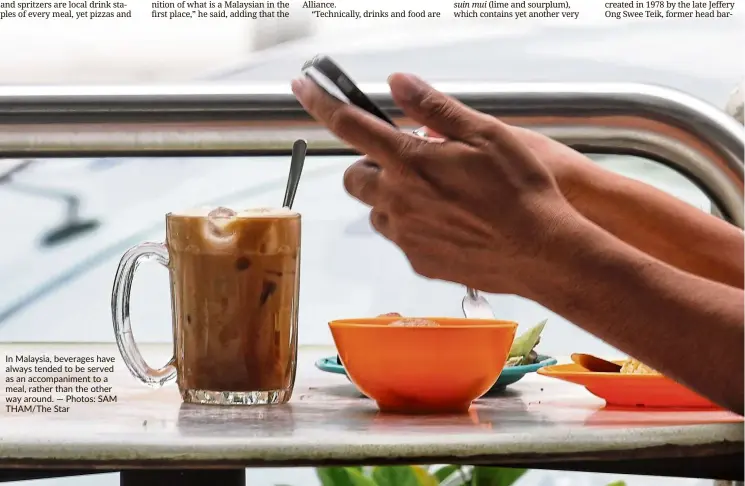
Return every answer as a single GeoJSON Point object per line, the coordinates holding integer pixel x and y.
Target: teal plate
{"type": "Point", "coordinates": [509, 376]}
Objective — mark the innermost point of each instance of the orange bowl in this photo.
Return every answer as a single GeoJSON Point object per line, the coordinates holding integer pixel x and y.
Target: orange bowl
{"type": "Point", "coordinates": [423, 369]}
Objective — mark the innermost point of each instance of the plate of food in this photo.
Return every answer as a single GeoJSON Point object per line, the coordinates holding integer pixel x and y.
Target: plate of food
{"type": "Point", "coordinates": [627, 383]}
{"type": "Point", "coordinates": [521, 360]}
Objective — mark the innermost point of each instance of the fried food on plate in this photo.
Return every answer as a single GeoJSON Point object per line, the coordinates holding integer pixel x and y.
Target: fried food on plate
{"type": "Point", "coordinates": [636, 367]}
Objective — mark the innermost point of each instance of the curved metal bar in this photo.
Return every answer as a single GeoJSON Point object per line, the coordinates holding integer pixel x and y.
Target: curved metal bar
{"type": "Point", "coordinates": [698, 140]}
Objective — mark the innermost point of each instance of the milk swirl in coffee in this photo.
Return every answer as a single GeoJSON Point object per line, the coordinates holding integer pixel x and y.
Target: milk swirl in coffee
{"type": "Point", "coordinates": [235, 285]}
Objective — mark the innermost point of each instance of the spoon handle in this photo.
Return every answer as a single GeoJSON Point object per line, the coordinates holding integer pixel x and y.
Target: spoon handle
{"type": "Point", "coordinates": [299, 149]}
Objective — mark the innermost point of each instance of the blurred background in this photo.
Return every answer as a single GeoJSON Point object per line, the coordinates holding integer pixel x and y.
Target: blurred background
{"type": "Point", "coordinates": [67, 222]}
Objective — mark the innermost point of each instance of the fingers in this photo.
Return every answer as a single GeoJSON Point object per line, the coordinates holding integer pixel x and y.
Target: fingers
{"type": "Point", "coordinates": [442, 114]}
{"type": "Point", "coordinates": [384, 143]}
{"type": "Point", "coordinates": [362, 181]}
{"type": "Point", "coordinates": [379, 221]}
{"type": "Point", "coordinates": [431, 134]}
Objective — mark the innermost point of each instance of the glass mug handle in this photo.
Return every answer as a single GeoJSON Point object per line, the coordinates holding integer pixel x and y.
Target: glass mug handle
{"type": "Point", "coordinates": [120, 314]}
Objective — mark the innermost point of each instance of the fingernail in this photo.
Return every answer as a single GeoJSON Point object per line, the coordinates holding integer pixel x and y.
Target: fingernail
{"type": "Point", "coordinates": [406, 87]}
{"type": "Point", "coordinates": [299, 87]}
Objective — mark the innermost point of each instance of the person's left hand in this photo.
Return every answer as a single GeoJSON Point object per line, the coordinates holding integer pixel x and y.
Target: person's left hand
{"type": "Point", "coordinates": [572, 170]}
{"type": "Point", "coordinates": [476, 207]}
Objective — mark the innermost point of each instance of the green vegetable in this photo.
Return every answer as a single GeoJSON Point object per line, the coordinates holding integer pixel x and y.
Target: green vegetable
{"type": "Point", "coordinates": [343, 476]}
{"type": "Point", "coordinates": [495, 476]}
{"type": "Point", "coordinates": [445, 472]}
{"type": "Point", "coordinates": [419, 476]}
{"type": "Point", "coordinates": [395, 476]}
{"type": "Point", "coordinates": [524, 343]}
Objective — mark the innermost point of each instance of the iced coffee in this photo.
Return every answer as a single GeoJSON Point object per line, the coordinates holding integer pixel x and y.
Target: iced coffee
{"type": "Point", "coordinates": [234, 288]}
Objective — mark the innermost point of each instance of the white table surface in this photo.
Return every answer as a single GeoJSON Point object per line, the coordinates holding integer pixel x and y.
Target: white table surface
{"type": "Point", "coordinates": [327, 419]}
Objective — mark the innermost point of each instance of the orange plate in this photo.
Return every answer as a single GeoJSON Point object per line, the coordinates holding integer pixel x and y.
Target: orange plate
{"type": "Point", "coordinates": [630, 390]}
{"type": "Point", "coordinates": [423, 369]}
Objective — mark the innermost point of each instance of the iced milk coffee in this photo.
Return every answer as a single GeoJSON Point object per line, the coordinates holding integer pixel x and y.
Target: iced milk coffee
{"type": "Point", "coordinates": [235, 283]}
{"type": "Point", "coordinates": [234, 297]}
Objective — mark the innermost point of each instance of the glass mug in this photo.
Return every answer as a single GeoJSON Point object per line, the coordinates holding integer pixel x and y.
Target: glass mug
{"type": "Point", "coordinates": [235, 281]}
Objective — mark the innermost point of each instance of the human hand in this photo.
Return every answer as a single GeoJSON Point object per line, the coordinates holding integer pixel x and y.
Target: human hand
{"type": "Point", "coordinates": [476, 207]}
{"type": "Point", "coordinates": [572, 170]}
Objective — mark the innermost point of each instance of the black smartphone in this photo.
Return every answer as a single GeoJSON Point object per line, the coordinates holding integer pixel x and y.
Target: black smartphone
{"type": "Point", "coordinates": [333, 80]}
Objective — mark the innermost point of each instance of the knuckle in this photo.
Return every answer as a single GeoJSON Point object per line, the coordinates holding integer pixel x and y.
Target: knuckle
{"type": "Point", "coordinates": [361, 180]}
{"type": "Point", "coordinates": [494, 132]}
{"type": "Point", "coordinates": [350, 179]}
{"type": "Point", "coordinates": [404, 146]}
{"type": "Point", "coordinates": [353, 178]}
{"type": "Point", "coordinates": [438, 105]}
{"type": "Point", "coordinates": [379, 221]}
{"type": "Point", "coordinates": [338, 119]}
{"type": "Point", "coordinates": [408, 149]}
{"type": "Point", "coordinates": [485, 136]}
{"type": "Point", "coordinates": [398, 206]}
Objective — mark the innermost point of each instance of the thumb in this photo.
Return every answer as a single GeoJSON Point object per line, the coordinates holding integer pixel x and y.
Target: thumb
{"type": "Point", "coordinates": [437, 111]}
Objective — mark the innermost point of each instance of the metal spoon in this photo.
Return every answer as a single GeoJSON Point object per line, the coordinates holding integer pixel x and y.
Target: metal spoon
{"type": "Point", "coordinates": [299, 149]}
{"type": "Point", "coordinates": [475, 306]}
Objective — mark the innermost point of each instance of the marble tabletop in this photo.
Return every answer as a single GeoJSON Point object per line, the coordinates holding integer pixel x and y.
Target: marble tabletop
{"type": "Point", "coordinates": [326, 420]}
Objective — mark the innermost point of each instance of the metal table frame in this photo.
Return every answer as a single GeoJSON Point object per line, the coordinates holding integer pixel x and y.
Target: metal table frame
{"type": "Point", "coordinates": [701, 142]}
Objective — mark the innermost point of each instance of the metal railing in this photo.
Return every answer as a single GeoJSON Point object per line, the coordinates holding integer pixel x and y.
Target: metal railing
{"type": "Point", "coordinates": [696, 139]}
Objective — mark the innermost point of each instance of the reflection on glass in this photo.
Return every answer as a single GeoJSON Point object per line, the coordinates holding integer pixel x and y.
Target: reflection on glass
{"type": "Point", "coordinates": [72, 224]}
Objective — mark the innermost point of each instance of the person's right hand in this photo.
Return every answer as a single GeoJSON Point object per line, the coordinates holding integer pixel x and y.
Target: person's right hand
{"type": "Point", "coordinates": [477, 208]}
